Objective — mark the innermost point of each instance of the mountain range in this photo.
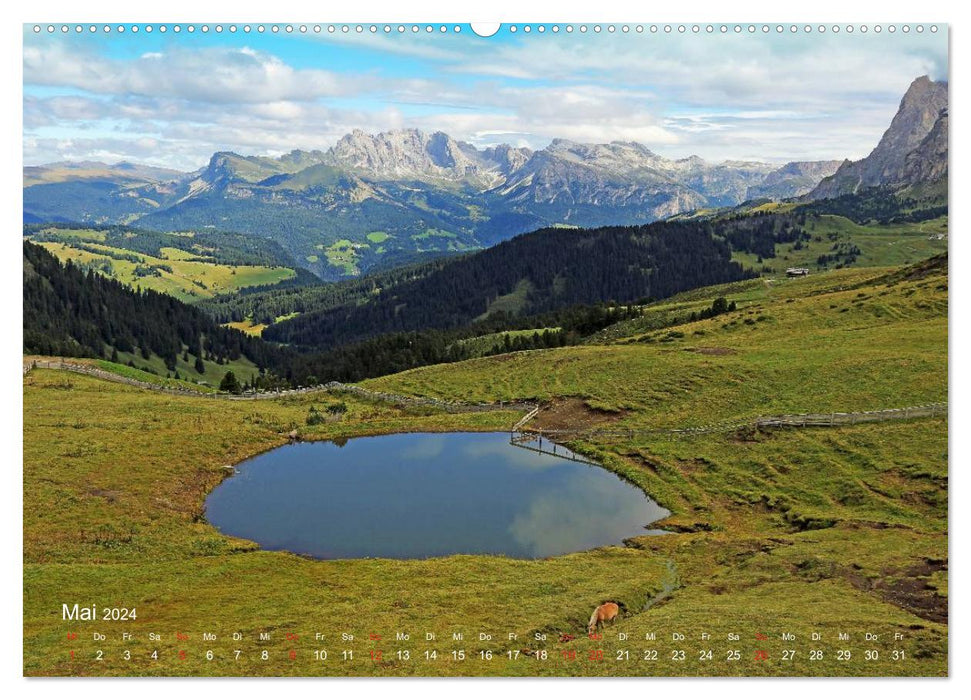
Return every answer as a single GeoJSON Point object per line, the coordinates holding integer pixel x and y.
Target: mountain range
{"type": "Point", "coordinates": [376, 200]}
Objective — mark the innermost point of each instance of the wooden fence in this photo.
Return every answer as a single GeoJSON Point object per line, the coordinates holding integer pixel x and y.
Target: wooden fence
{"type": "Point", "coordinates": [330, 387]}
{"type": "Point", "coordinates": [534, 443]}
{"type": "Point", "coordinates": [808, 420]}
{"type": "Point", "coordinates": [522, 421]}
{"type": "Point", "coordinates": [797, 420]}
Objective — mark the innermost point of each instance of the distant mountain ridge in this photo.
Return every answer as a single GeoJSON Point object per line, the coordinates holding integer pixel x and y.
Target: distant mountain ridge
{"type": "Point", "coordinates": [912, 151]}
{"type": "Point", "coordinates": [411, 154]}
{"type": "Point", "coordinates": [793, 179]}
{"type": "Point", "coordinates": [374, 198]}
{"type": "Point", "coordinates": [90, 170]}
{"type": "Point", "coordinates": [371, 199]}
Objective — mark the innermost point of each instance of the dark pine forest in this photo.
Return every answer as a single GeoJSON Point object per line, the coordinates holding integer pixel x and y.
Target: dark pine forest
{"type": "Point", "coordinates": [531, 274]}
{"type": "Point", "coordinates": [565, 283]}
{"type": "Point", "coordinates": [68, 311]}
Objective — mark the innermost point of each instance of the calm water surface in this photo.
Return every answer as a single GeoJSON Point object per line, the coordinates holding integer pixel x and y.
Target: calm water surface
{"type": "Point", "coordinates": [422, 495]}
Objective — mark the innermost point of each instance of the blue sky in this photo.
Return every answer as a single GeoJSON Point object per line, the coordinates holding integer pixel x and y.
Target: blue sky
{"type": "Point", "coordinates": [173, 99]}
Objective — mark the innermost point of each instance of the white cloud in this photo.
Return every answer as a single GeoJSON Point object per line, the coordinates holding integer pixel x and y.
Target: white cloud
{"type": "Point", "coordinates": [719, 97]}
{"type": "Point", "coordinates": [726, 70]}
{"type": "Point", "coordinates": [220, 75]}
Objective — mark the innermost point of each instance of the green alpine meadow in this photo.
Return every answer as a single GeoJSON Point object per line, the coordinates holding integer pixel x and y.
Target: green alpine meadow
{"type": "Point", "coordinates": [444, 355]}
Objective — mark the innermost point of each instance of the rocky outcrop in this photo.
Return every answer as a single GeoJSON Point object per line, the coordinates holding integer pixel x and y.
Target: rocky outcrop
{"type": "Point", "coordinates": [928, 162]}
{"type": "Point", "coordinates": [894, 161]}
{"type": "Point", "coordinates": [410, 153]}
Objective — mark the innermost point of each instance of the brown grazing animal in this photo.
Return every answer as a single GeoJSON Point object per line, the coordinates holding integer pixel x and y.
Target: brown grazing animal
{"type": "Point", "coordinates": [602, 614]}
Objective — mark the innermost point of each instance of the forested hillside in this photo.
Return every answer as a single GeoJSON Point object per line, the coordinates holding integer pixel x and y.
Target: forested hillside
{"type": "Point", "coordinates": [265, 305]}
{"type": "Point", "coordinates": [395, 352]}
{"type": "Point", "coordinates": [533, 273]}
{"type": "Point", "coordinates": [68, 311]}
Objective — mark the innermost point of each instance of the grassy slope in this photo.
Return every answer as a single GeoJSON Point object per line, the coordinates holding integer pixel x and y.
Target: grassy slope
{"type": "Point", "coordinates": [154, 371]}
{"type": "Point", "coordinates": [154, 378]}
{"type": "Point", "coordinates": [342, 254]}
{"type": "Point", "coordinates": [880, 245]}
{"type": "Point", "coordinates": [483, 344]}
{"type": "Point", "coordinates": [132, 372]}
{"type": "Point", "coordinates": [842, 349]}
{"type": "Point", "coordinates": [511, 303]}
{"type": "Point", "coordinates": [214, 372]}
{"type": "Point", "coordinates": [791, 531]}
{"type": "Point", "coordinates": [190, 279]}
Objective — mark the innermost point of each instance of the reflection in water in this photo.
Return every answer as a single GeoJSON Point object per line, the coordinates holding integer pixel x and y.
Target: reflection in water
{"type": "Point", "coordinates": [574, 515]}
{"type": "Point", "coordinates": [499, 450]}
{"type": "Point", "coordinates": [422, 495]}
{"type": "Point", "coordinates": [431, 447]}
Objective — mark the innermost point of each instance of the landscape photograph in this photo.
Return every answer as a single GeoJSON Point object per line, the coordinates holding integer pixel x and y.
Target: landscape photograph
{"type": "Point", "coordinates": [421, 350]}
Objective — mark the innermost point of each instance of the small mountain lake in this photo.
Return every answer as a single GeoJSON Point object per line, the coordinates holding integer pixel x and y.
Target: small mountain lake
{"type": "Point", "coordinates": [417, 495]}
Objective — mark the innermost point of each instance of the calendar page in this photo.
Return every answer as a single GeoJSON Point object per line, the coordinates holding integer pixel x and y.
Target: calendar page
{"type": "Point", "coordinates": [546, 349]}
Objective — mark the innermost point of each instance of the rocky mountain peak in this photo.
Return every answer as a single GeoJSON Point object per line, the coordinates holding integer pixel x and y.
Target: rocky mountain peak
{"type": "Point", "coordinates": [918, 112]}
{"type": "Point", "coordinates": [919, 109]}
{"type": "Point", "coordinates": [919, 89]}
{"type": "Point", "coordinates": [219, 162]}
{"type": "Point", "coordinates": [407, 153]}
{"type": "Point", "coordinates": [507, 158]}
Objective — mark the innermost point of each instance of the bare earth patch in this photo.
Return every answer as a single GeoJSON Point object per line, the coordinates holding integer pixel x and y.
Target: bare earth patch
{"type": "Point", "coordinates": [910, 589]}
{"type": "Point", "coordinates": [572, 413]}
